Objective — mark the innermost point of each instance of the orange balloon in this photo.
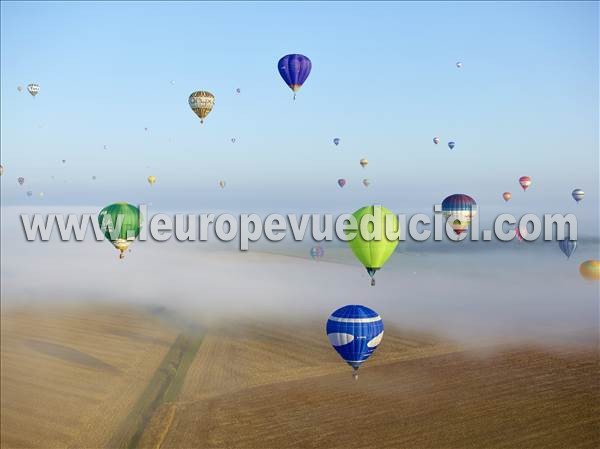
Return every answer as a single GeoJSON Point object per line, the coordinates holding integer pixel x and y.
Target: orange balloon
{"type": "Point", "coordinates": [590, 270]}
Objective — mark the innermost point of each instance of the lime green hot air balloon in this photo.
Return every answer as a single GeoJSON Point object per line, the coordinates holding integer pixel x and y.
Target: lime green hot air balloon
{"type": "Point", "coordinates": [120, 223]}
{"type": "Point", "coordinates": [373, 248]}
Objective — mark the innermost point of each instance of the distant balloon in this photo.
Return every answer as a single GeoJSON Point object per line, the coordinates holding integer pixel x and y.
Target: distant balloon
{"type": "Point", "coordinates": [129, 219]}
{"type": "Point", "coordinates": [316, 252]}
{"type": "Point", "coordinates": [151, 180]}
{"type": "Point", "coordinates": [33, 89]}
{"type": "Point", "coordinates": [507, 196]}
{"type": "Point", "coordinates": [294, 69]}
{"type": "Point", "coordinates": [336, 141]}
{"type": "Point", "coordinates": [29, 193]}
{"type": "Point", "coordinates": [459, 64]}
{"type": "Point", "coordinates": [41, 194]}
{"type": "Point", "coordinates": [93, 178]}
{"type": "Point", "coordinates": [201, 103]}
{"type": "Point", "coordinates": [366, 182]}
{"type": "Point", "coordinates": [1, 170]}
{"type": "Point", "coordinates": [567, 246]}
{"type": "Point", "coordinates": [233, 140]}
{"type": "Point", "coordinates": [341, 182]}
{"type": "Point", "coordinates": [374, 253]}
{"type": "Point", "coordinates": [172, 82]}
{"type": "Point", "coordinates": [145, 129]}
{"type": "Point", "coordinates": [222, 184]}
{"type": "Point", "coordinates": [451, 145]}
{"type": "Point", "coordinates": [578, 195]}
{"type": "Point", "coordinates": [436, 140]}
{"type": "Point", "coordinates": [105, 147]}
{"type": "Point", "coordinates": [21, 180]}
{"type": "Point", "coordinates": [525, 182]}
{"type": "Point", "coordinates": [19, 88]}
{"type": "Point", "coordinates": [459, 209]}
{"type": "Point", "coordinates": [590, 270]}
{"type": "Point", "coordinates": [364, 162]}
{"type": "Point", "coordinates": [238, 90]}
{"type": "Point", "coordinates": [355, 331]}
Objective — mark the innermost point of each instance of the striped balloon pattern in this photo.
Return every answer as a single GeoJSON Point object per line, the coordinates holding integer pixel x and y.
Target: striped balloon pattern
{"type": "Point", "coordinates": [578, 195]}
{"type": "Point", "coordinates": [460, 209]}
{"type": "Point", "coordinates": [525, 182]}
{"type": "Point", "coordinates": [294, 69]}
{"type": "Point", "coordinates": [355, 331]}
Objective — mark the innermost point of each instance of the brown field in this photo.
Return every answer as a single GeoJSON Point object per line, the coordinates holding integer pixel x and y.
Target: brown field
{"type": "Point", "coordinates": [70, 375]}
{"type": "Point", "coordinates": [268, 387]}
{"type": "Point", "coordinates": [106, 377]}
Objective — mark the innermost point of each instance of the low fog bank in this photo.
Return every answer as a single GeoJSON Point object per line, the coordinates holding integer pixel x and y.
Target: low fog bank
{"type": "Point", "coordinates": [527, 292]}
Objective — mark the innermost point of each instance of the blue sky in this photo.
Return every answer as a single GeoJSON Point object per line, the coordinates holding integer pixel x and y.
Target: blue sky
{"type": "Point", "coordinates": [384, 80]}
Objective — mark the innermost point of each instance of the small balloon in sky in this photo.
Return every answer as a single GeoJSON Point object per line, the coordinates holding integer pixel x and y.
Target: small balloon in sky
{"type": "Point", "coordinates": [41, 194]}
{"type": "Point", "coordinates": [201, 102]}
{"type": "Point", "coordinates": [21, 180]}
{"type": "Point", "coordinates": [578, 195]}
{"type": "Point", "coordinates": [238, 90]}
{"type": "Point", "coordinates": [172, 82]}
{"type": "Point", "coordinates": [436, 140]}
{"type": "Point", "coordinates": [105, 147]}
{"type": "Point", "coordinates": [364, 162]}
{"type": "Point", "coordinates": [341, 182]}
{"type": "Point", "coordinates": [507, 196]}
{"type": "Point", "coordinates": [233, 140]}
{"type": "Point", "coordinates": [93, 178]}
{"type": "Point", "coordinates": [336, 141]}
{"type": "Point", "coordinates": [222, 184]}
{"type": "Point", "coordinates": [151, 180]}
{"type": "Point", "coordinates": [459, 64]}
{"type": "Point", "coordinates": [451, 145]}
{"type": "Point", "coordinates": [33, 89]}
{"type": "Point", "coordinates": [294, 69]}
{"type": "Point", "coordinates": [20, 88]}
{"type": "Point", "coordinates": [366, 182]}
{"type": "Point", "coordinates": [29, 193]}
{"type": "Point", "coordinates": [1, 170]}
{"type": "Point", "coordinates": [145, 129]}
{"type": "Point", "coordinates": [525, 182]}
{"type": "Point", "coordinates": [64, 161]}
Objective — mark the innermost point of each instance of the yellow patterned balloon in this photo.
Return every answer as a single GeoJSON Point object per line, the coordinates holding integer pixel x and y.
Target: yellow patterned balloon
{"type": "Point", "coordinates": [590, 270]}
{"type": "Point", "coordinates": [151, 180]}
{"type": "Point", "coordinates": [201, 103]}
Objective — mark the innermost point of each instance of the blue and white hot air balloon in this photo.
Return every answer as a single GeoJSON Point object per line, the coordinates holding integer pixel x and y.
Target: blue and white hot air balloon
{"type": "Point", "coordinates": [578, 195]}
{"type": "Point", "coordinates": [355, 331]}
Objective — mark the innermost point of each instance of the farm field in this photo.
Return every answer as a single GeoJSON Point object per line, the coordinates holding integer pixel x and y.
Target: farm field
{"type": "Point", "coordinates": [260, 386]}
{"type": "Point", "coordinates": [70, 375]}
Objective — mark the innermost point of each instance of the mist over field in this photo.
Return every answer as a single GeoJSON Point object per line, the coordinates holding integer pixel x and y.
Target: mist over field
{"type": "Point", "coordinates": [461, 290]}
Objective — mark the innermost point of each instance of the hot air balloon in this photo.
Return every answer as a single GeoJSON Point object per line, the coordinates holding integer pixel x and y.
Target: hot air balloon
{"type": "Point", "coordinates": [64, 161]}
{"type": "Point", "coordinates": [238, 90]}
{"type": "Point", "coordinates": [451, 145]}
{"type": "Point", "coordinates": [590, 270]}
{"type": "Point", "coordinates": [19, 88]}
{"type": "Point", "coordinates": [1, 170]}
{"type": "Point", "coordinates": [93, 178]}
{"type": "Point", "coordinates": [105, 147]}
{"type": "Point", "coordinates": [41, 194]}
{"type": "Point", "coordinates": [33, 89]}
{"type": "Point", "coordinates": [336, 141]}
{"type": "Point", "coordinates": [21, 180]}
{"type": "Point", "coordinates": [436, 140]}
{"type": "Point", "coordinates": [355, 331]}
{"type": "Point", "coordinates": [364, 162]}
{"type": "Point", "coordinates": [29, 193]}
{"type": "Point", "coordinates": [525, 182]}
{"type": "Point", "coordinates": [373, 254]}
{"type": "Point", "coordinates": [366, 182]}
{"type": "Point", "coordinates": [316, 252]}
{"type": "Point", "coordinates": [578, 195]}
{"type": "Point", "coordinates": [294, 69]}
{"type": "Point", "coordinates": [172, 82]}
{"type": "Point", "coordinates": [459, 209]}
{"type": "Point", "coordinates": [341, 182]}
{"type": "Point", "coordinates": [151, 180]}
{"type": "Point", "coordinates": [459, 64]}
{"type": "Point", "coordinates": [201, 103]}
{"type": "Point", "coordinates": [129, 219]}
{"type": "Point", "coordinates": [507, 196]}
{"type": "Point", "coordinates": [567, 246]}
{"type": "Point", "coordinates": [233, 140]}
{"type": "Point", "coordinates": [222, 184]}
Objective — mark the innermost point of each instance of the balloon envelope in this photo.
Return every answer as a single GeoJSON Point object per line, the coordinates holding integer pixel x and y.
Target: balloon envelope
{"type": "Point", "coordinates": [364, 162]}
{"type": "Point", "coordinates": [507, 196]}
{"type": "Point", "coordinates": [120, 223]}
{"type": "Point", "coordinates": [590, 270]}
{"type": "Point", "coordinates": [436, 140]}
{"type": "Point", "coordinates": [525, 182]}
{"type": "Point", "coordinates": [366, 182]}
{"type": "Point", "coordinates": [460, 210]}
{"type": "Point", "coordinates": [374, 253]}
{"type": "Point", "coordinates": [336, 141]}
{"type": "Point", "coordinates": [21, 180]}
{"type": "Point", "coordinates": [451, 145]}
{"type": "Point", "coordinates": [294, 69]}
{"type": "Point", "coordinates": [33, 89]}
{"type": "Point", "coordinates": [151, 180]}
{"type": "Point", "coordinates": [567, 246]}
{"type": "Point", "coordinates": [201, 103]}
{"type": "Point", "coordinates": [355, 331]}
{"type": "Point", "coordinates": [316, 252]}
{"type": "Point", "coordinates": [578, 195]}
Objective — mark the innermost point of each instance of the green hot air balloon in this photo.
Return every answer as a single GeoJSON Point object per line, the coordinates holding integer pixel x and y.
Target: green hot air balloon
{"type": "Point", "coordinates": [120, 223]}
{"type": "Point", "coordinates": [374, 252]}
